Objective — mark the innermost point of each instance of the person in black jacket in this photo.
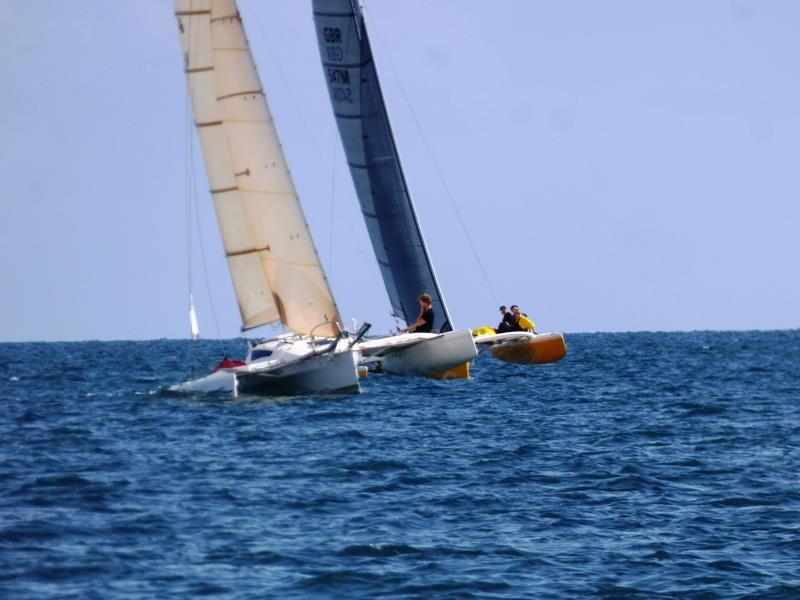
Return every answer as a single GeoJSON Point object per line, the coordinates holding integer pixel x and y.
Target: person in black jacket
{"type": "Point", "coordinates": [509, 322]}
{"type": "Point", "coordinates": [424, 323]}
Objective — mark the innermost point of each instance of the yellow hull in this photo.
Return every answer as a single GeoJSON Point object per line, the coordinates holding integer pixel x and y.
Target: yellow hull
{"type": "Point", "coordinates": [458, 372]}
{"type": "Point", "coordinates": [545, 348]}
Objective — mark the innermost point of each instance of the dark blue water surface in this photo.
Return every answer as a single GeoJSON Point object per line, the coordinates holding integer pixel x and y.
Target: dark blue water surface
{"type": "Point", "coordinates": [643, 465]}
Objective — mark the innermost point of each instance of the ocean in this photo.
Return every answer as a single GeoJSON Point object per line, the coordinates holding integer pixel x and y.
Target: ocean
{"type": "Point", "coordinates": [643, 465]}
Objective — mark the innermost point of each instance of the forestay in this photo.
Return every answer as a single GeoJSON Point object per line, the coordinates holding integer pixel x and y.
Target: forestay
{"type": "Point", "coordinates": [273, 262]}
{"type": "Point", "coordinates": [374, 161]}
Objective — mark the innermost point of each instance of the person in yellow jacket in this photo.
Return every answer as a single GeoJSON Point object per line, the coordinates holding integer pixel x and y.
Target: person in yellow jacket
{"type": "Point", "coordinates": [523, 321]}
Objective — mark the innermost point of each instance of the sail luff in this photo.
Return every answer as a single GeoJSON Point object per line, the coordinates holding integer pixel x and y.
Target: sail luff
{"type": "Point", "coordinates": [253, 293]}
{"type": "Point", "coordinates": [374, 161]}
{"type": "Point", "coordinates": [435, 291]}
{"type": "Point", "coordinates": [281, 234]}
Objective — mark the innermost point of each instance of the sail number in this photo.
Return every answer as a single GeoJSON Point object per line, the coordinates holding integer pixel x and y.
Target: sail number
{"type": "Point", "coordinates": [332, 35]}
{"type": "Point", "coordinates": [338, 78]}
{"type": "Point", "coordinates": [342, 94]}
{"type": "Point", "coordinates": [334, 53]}
{"type": "Point", "coordinates": [339, 81]}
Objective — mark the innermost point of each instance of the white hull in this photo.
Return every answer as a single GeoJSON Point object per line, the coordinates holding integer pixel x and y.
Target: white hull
{"type": "Point", "coordinates": [419, 353]}
{"type": "Point", "coordinates": [219, 382]}
{"type": "Point", "coordinates": [332, 373]}
{"type": "Point", "coordinates": [286, 366]}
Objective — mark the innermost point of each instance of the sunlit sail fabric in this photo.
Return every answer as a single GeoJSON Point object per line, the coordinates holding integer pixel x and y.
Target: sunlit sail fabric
{"type": "Point", "coordinates": [253, 293]}
{"type": "Point", "coordinates": [262, 223]}
{"type": "Point", "coordinates": [373, 159]}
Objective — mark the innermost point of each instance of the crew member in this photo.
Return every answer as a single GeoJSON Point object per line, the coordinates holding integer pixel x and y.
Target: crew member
{"type": "Point", "coordinates": [424, 322]}
{"type": "Point", "coordinates": [509, 323]}
{"type": "Point", "coordinates": [522, 320]}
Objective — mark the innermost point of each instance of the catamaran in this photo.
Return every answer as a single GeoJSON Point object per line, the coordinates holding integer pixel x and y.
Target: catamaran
{"type": "Point", "coordinates": [276, 272]}
{"type": "Point", "coordinates": [522, 347]}
{"type": "Point", "coordinates": [385, 200]}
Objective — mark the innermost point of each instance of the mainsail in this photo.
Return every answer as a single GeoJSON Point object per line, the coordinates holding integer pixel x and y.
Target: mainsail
{"type": "Point", "coordinates": [272, 259]}
{"type": "Point", "coordinates": [374, 161]}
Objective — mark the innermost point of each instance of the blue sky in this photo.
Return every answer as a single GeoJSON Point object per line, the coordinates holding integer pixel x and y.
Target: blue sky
{"type": "Point", "coordinates": [619, 165]}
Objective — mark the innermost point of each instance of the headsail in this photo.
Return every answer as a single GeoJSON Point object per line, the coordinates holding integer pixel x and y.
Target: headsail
{"type": "Point", "coordinates": [374, 161]}
{"type": "Point", "coordinates": [272, 258]}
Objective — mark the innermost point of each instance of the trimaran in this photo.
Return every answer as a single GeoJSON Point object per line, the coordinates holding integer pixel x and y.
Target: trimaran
{"type": "Point", "coordinates": [276, 272]}
{"type": "Point", "coordinates": [277, 275]}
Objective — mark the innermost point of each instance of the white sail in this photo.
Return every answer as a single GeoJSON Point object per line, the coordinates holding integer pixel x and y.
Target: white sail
{"type": "Point", "coordinates": [282, 237]}
{"type": "Point", "coordinates": [253, 293]}
{"type": "Point", "coordinates": [272, 258]}
{"type": "Point", "coordinates": [193, 319]}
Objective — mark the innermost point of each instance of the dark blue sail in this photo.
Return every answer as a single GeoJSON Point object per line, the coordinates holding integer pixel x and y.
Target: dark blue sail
{"type": "Point", "coordinates": [374, 162]}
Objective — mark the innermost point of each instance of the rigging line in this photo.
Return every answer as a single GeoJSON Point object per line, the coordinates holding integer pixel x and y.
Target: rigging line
{"type": "Point", "coordinates": [191, 41]}
{"type": "Point", "coordinates": [187, 171]}
{"type": "Point", "coordinates": [333, 202]}
{"type": "Point", "coordinates": [191, 186]}
{"type": "Point", "coordinates": [435, 163]}
{"type": "Point", "coordinates": [203, 260]}
{"type": "Point", "coordinates": [187, 187]}
{"type": "Point", "coordinates": [398, 324]}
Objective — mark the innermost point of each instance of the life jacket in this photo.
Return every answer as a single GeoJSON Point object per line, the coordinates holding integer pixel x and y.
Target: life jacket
{"type": "Point", "coordinates": [483, 330]}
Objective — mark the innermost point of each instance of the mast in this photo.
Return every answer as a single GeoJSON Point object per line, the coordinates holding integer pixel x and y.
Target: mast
{"type": "Point", "coordinates": [374, 161]}
{"type": "Point", "coordinates": [274, 265]}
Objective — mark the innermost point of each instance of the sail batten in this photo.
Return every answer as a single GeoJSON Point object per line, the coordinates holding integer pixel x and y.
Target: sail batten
{"type": "Point", "coordinates": [374, 161]}
{"type": "Point", "coordinates": [250, 251]}
{"type": "Point", "coordinates": [246, 93]}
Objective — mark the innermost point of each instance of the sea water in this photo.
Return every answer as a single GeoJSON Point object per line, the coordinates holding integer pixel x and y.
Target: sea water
{"type": "Point", "coordinates": [642, 465]}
